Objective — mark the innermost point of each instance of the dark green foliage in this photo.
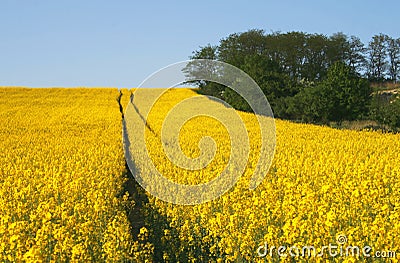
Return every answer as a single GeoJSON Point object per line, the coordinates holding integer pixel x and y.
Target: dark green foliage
{"type": "Point", "coordinates": [386, 110]}
{"type": "Point", "coordinates": [348, 93]}
{"type": "Point", "coordinates": [308, 77]}
{"type": "Point", "coordinates": [342, 95]}
{"type": "Point", "coordinates": [270, 78]}
{"type": "Point", "coordinates": [377, 58]}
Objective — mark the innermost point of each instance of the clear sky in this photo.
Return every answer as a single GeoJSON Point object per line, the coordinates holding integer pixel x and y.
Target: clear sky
{"type": "Point", "coordinates": [119, 43]}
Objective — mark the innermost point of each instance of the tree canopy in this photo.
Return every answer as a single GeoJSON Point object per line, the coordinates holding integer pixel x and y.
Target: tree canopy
{"type": "Point", "coordinates": [308, 77]}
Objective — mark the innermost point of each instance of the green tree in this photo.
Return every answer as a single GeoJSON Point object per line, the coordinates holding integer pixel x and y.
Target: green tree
{"type": "Point", "coordinates": [338, 48]}
{"type": "Point", "coordinates": [356, 56]}
{"type": "Point", "coordinates": [206, 52]}
{"type": "Point", "coordinates": [313, 104]}
{"type": "Point", "coordinates": [270, 78]}
{"type": "Point", "coordinates": [236, 47]}
{"type": "Point", "coordinates": [310, 77]}
{"type": "Point", "coordinates": [288, 50]}
{"type": "Point", "coordinates": [377, 57]}
{"type": "Point", "coordinates": [198, 71]}
{"type": "Point", "coordinates": [350, 93]}
{"type": "Point", "coordinates": [342, 95]}
{"type": "Point", "coordinates": [393, 50]}
{"type": "Point", "coordinates": [386, 111]}
{"type": "Point", "coordinates": [316, 61]}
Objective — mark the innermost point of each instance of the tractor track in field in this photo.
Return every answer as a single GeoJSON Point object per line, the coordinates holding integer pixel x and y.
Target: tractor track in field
{"type": "Point", "coordinates": [136, 193]}
{"type": "Point", "coordinates": [141, 214]}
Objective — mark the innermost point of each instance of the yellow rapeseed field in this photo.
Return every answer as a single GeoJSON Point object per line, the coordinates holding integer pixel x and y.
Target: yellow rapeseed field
{"type": "Point", "coordinates": [62, 177]}
{"type": "Point", "coordinates": [323, 184]}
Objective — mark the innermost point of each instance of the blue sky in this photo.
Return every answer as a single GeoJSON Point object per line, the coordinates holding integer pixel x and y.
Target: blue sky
{"type": "Point", "coordinates": [119, 43]}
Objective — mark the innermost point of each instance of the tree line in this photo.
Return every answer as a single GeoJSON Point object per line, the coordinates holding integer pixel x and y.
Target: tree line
{"type": "Point", "coordinates": [311, 77]}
